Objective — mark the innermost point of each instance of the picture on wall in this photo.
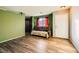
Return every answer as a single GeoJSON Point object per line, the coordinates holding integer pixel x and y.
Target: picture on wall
{"type": "Point", "coordinates": [41, 24]}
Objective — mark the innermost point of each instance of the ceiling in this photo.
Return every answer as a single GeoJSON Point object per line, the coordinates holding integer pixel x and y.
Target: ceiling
{"type": "Point", "coordinates": [32, 10]}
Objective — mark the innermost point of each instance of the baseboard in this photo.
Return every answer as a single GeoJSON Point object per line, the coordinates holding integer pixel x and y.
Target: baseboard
{"type": "Point", "coordinates": [11, 39]}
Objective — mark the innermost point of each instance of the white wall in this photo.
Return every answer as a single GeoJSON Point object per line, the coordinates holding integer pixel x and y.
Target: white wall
{"type": "Point", "coordinates": [60, 24]}
{"type": "Point", "coordinates": [75, 26]}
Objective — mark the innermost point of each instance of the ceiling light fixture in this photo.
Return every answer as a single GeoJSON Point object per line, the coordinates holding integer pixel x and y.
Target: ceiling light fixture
{"type": "Point", "coordinates": [41, 12]}
{"type": "Point", "coordinates": [62, 6]}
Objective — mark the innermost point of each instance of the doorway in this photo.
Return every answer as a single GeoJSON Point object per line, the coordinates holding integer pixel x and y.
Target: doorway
{"type": "Point", "coordinates": [28, 24]}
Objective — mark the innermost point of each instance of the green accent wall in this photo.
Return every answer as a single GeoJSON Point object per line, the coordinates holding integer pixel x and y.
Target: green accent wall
{"type": "Point", "coordinates": [12, 25]}
{"type": "Point", "coordinates": [32, 22]}
{"type": "Point", "coordinates": [50, 17]}
{"type": "Point", "coordinates": [34, 18]}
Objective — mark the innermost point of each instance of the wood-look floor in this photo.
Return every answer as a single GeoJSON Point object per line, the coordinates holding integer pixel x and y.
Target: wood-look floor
{"type": "Point", "coordinates": [34, 44]}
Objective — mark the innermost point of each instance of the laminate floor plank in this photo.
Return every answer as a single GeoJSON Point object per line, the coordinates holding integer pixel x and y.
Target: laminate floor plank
{"type": "Point", "coordinates": [35, 44]}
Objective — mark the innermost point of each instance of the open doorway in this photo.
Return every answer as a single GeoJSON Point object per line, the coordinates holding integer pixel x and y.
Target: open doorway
{"type": "Point", "coordinates": [28, 25]}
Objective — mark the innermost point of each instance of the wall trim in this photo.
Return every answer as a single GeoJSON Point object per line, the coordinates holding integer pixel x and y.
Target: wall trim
{"type": "Point", "coordinates": [11, 39]}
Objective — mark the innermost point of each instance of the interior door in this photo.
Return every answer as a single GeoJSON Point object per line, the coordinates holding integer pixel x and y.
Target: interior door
{"type": "Point", "coordinates": [60, 24]}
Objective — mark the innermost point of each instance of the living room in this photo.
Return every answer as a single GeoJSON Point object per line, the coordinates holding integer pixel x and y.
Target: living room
{"type": "Point", "coordinates": [38, 29]}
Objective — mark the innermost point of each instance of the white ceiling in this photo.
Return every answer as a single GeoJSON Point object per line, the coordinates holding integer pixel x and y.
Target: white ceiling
{"type": "Point", "coordinates": [32, 10]}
